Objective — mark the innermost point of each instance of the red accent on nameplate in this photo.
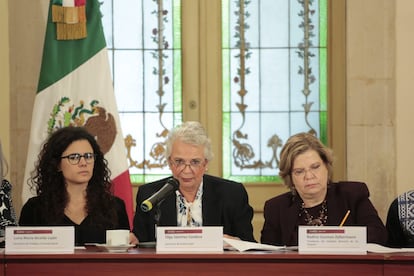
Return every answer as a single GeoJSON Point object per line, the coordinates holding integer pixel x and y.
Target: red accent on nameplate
{"type": "Point", "coordinates": [189, 231]}
{"type": "Point", "coordinates": [325, 231]}
{"type": "Point", "coordinates": [32, 231]}
{"type": "Point", "coordinates": [80, 3]}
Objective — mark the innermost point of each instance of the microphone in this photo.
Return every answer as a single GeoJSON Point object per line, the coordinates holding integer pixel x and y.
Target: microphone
{"type": "Point", "coordinates": [169, 187]}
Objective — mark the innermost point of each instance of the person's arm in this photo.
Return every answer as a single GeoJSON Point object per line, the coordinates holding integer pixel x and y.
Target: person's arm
{"type": "Point", "coordinates": [7, 215]}
{"type": "Point", "coordinates": [123, 221]}
{"type": "Point", "coordinates": [368, 215]}
{"type": "Point", "coordinates": [269, 232]}
{"type": "Point", "coordinates": [396, 237]}
{"type": "Point", "coordinates": [142, 221]}
{"type": "Point", "coordinates": [243, 215]}
{"type": "Point", "coordinates": [29, 214]}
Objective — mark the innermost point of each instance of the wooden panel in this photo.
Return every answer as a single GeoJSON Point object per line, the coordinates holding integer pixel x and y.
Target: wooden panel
{"type": "Point", "coordinates": [146, 261]}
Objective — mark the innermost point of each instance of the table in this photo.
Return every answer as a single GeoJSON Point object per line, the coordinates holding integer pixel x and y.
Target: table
{"type": "Point", "coordinates": [147, 261]}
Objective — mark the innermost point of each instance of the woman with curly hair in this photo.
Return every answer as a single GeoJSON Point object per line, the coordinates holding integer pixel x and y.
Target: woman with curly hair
{"type": "Point", "coordinates": [73, 187]}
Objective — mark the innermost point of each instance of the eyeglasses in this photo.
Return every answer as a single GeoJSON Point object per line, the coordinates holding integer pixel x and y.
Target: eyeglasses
{"type": "Point", "coordinates": [314, 169]}
{"type": "Point", "coordinates": [194, 164]}
{"type": "Point", "coordinates": [74, 158]}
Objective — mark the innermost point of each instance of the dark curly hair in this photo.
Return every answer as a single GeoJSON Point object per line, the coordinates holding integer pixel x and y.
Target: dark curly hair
{"type": "Point", "coordinates": [49, 183]}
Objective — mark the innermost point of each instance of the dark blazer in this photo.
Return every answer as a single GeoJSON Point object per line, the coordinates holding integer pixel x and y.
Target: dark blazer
{"type": "Point", "coordinates": [281, 214]}
{"type": "Point", "coordinates": [225, 203]}
{"type": "Point", "coordinates": [397, 236]}
{"type": "Point", "coordinates": [85, 232]}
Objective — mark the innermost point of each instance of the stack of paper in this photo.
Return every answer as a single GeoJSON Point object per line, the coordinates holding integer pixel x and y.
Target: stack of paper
{"type": "Point", "coordinates": [245, 245]}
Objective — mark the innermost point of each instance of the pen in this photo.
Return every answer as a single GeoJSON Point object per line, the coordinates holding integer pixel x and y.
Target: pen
{"type": "Point", "coordinates": [344, 219]}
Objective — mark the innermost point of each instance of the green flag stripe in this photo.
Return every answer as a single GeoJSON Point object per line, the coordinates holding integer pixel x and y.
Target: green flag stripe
{"type": "Point", "coordinates": [60, 57]}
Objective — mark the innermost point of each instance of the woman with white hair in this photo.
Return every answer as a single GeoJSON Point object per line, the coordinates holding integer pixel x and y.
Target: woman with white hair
{"type": "Point", "coordinates": [200, 199]}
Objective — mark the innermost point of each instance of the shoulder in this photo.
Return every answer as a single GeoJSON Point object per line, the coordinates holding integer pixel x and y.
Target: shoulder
{"type": "Point", "coordinates": [349, 188]}
{"type": "Point", "coordinates": [153, 186]}
{"type": "Point", "coordinates": [408, 195]}
{"type": "Point", "coordinates": [218, 180]}
{"type": "Point", "coordinates": [32, 202]}
{"type": "Point", "coordinates": [394, 203]}
{"type": "Point", "coordinates": [393, 208]}
{"type": "Point", "coordinates": [118, 201]}
{"type": "Point", "coordinates": [284, 199]}
{"type": "Point", "coordinates": [404, 198]}
{"type": "Point", "coordinates": [222, 184]}
{"type": "Point", "coordinates": [119, 204]}
{"type": "Point", "coordinates": [5, 185]}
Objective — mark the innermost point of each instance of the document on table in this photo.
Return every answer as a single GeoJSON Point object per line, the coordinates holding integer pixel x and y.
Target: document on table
{"type": "Point", "coordinates": [245, 245]}
{"type": "Point", "coordinates": [376, 248]}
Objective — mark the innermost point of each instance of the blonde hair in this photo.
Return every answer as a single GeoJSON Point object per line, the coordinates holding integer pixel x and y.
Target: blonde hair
{"type": "Point", "coordinates": [296, 145]}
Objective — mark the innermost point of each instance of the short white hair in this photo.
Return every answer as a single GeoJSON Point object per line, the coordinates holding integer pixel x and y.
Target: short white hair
{"type": "Point", "coordinates": [190, 132]}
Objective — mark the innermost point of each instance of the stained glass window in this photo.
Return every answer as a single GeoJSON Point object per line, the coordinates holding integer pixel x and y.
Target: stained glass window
{"type": "Point", "coordinates": [274, 81]}
{"type": "Point", "coordinates": [274, 55]}
{"type": "Point", "coordinates": [144, 43]}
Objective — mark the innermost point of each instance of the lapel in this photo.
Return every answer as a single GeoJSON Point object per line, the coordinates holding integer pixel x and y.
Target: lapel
{"type": "Point", "coordinates": [336, 205]}
{"type": "Point", "coordinates": [211, 203]}
{"type": "Point", "coordinates": [290, 219]}
{"type": "Point", "coordinates": [168, 210]}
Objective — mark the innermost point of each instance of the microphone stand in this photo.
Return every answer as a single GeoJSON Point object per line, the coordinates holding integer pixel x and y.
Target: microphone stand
{"type": "Point", "coordinates": [157, 217]}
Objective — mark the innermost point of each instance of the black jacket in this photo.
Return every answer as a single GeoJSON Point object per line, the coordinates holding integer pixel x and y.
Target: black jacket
{"type": "Point", "coordinates": [397, 235]}
{"type": "Point", "coordinates": [282, 212]}
{"type": "Point", "coordinates": [225, 203]}
{"type": "Point", "coordinates": [85, 232]}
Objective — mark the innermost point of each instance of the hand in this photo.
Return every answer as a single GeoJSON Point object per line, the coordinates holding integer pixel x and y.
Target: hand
{"type": "Point", "coordinates": [132, 239]}
{"type": "Point", "coordinates": [225, 244]}
{"type": "Point", "coordinates": [230, 237]}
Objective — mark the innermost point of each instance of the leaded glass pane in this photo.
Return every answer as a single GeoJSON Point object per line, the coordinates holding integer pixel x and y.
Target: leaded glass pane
{"type": "Point", "coordinates": [144, 43]}
{"type": "Point", "coordinates": [274, 81]}
{"type": "Point", "coordinates": [128, 23]}
{"type": "Point", "coordinates": [128, 77]}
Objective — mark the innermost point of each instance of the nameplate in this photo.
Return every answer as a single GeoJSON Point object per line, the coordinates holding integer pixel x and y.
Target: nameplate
{"type": "Point", "coordinates": [190, 239]}
{"type": "Point", "coordinates": [333, 239]}
{"type": "Point", "coordinates": [24, 239]}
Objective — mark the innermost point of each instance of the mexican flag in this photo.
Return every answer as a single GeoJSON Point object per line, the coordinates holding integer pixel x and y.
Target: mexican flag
{"type": "Point", "coordinates": [75, 88]}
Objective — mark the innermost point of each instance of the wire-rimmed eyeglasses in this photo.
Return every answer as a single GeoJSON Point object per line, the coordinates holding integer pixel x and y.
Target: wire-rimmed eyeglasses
{"type": "Point", "coordinates": [181, 164]}
{"type": "Point", "coordinates": [74, 158]}
{"type": "Point", "coordinates": [301, 172]}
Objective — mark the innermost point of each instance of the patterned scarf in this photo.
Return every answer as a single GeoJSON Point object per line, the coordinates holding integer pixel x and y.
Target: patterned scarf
{"type": "Point", "coordinates": [7, 213]}
{"type": "Point", "coordinates": [190, 213]}
{"type": "Point", "coordinates": [406, 212]}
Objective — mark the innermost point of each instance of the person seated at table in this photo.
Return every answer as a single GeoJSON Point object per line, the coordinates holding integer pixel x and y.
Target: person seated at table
{"type": "Point", "coordinates": [400, 221]}
{"type": "Point", "coordinates": [7, 213]}
{"type": "Point", "coordinates": [201, 199]}
{"type": "Point", "coordinates": [314, 200]}
{"type": "Point", "coordinates": [73, 186]}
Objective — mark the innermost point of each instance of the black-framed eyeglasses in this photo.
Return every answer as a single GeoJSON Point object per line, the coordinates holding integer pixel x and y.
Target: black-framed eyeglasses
{"type": "Point", "coordinates": [74, 158]}
{"type": "Point", "coordinates": [181, 164]}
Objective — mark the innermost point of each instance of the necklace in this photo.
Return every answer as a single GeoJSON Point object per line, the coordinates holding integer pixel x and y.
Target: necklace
{"type": "Point", "coordinates": [310, 220]}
